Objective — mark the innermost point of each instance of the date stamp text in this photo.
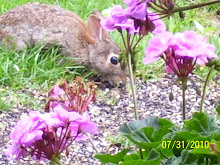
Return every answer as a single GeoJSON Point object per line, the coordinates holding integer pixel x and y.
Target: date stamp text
{"type": "Point", "coordinates": [185, 144]}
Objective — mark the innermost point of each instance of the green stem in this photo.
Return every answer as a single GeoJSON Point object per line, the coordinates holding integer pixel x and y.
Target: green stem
{"type": "Point", "coordinates": [132, 86]}
{"type": "Point", "coordinates": [184, 87]}
{"type": "Point", "coordinates": [55, 160]}
{"type": "Point", "coordinates": [179, 9]}
{"type": "Point", "coordinates": [91, 141]}
{"type": "Point", "coordinates": [133, 93]}
{"type": "Point", "coordinates": [205, 86]}
{"type": "Point", "coordinates": [218, 158]}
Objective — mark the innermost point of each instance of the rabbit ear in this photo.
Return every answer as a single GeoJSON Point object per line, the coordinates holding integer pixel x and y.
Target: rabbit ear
{"type": "Point", "coordinates": [95, 28]}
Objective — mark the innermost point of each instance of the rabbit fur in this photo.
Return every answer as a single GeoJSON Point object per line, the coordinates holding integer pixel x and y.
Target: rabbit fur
{"type": "Point", "coordinates": [88, 44]}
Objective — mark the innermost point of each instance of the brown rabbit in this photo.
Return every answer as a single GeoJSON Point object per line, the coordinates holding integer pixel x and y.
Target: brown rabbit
{"type": "Point", "coordinates": [90, 45]}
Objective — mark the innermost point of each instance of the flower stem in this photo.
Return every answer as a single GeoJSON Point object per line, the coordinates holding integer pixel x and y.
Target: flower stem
{"type": "Point", "coordinates": [91, 141]}
{"type": "Point", "coordinates": [132, 86]}
{"type": "Point", "coordinates": [55, 160]}
{"type": "Point", "coordinates": [205, 86]}
{"type": "Point", "coordinates": [184, 87]}
{"type": "Point", "coordinates": [218, 158]}
{"type": "Point", "coordinates": [179, 9]}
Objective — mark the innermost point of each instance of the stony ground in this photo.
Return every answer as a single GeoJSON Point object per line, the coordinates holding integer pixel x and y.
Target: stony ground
{"type": "Point", "coordinates": [113, 108]}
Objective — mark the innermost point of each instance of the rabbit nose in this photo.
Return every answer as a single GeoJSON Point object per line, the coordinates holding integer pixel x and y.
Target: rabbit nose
{"type": "Point", "coordinates": [121, 85]}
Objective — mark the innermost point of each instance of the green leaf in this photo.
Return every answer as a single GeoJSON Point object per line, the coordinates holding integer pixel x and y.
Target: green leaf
{"type": "Point", "coordinates": [194, 124]}
{"type": "Point", "coordinates": [218, 108]}
{"type": "Point", "coordinates": [107, 158]}
{"type": "Point", "coordinates": [187, 135]}
{"type": "Point", "coordinates": [159, 134]}
{"type": "Point", "coordinates": [153, 158]}
{"type": "Point", "coordinates": [139, 162]}
{"type": "Point", "coordinates": [148, 130]}
{"type": "Point", "coordinates": [132, 126]}
{"type": "Point", "coordinates": [165, 122]}
{"type": "Point", "coordinates": [174, 161]}
{"type": "Point", "coordinates": [202, 123]}
{"type": "Point", "coordinates": [188, 158]}
{"type": "Point", "coordinates": [133, 156]}
{"type": "Point", "coordinates": [200, 151]}
{"type": "Point", "coordinates": [154, 155]}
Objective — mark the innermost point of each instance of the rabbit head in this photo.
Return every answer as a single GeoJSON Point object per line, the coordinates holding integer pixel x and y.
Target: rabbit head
{"type": "Point", "coordinates": [104, 52]}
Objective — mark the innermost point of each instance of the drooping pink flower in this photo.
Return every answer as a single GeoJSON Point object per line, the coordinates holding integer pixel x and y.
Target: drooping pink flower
{"type": "Point", "coordinates": [160, 26]}
{"type": "Point", "coordinates": [118, 20]}
{"type": "Point", "coordinates": [138, 10]}
{"type": "Point", "coordinates": [135, 19]}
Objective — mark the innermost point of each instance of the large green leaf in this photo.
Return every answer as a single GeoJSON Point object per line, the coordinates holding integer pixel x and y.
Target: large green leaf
{"type": "Point", "coordinates": [202, 123]}
{"type": "Point", "coordinates": [132, 126]}
{"type": "Point", "coordinates": [132, 156]}
{"type": "Point", "coordinates": [188, 158]}
{"type": "Point", "coordinates": [148, 130]}
{"type": "Point", "coordinates": [187, 134]}
{"type": "Point", "coordinates": [173, 161]}
{"type": "Point", "coordinates": [201, 151]}
{"type": "Point", "coordinates": [107, 158]}
{"type": "Point", "coordinates": [153, 158]}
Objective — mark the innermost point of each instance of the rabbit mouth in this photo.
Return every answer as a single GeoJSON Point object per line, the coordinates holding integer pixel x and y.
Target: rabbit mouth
{"type": "Point", "coordinates": [116, 81]}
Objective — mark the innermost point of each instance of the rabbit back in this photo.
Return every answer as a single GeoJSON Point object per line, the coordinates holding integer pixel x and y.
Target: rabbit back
{"type": "Point", "coordinates": [34, 23]}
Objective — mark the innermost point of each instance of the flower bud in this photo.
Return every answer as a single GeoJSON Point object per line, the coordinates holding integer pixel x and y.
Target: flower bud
{"type": "Point", "coordinates": [171, 97]}
{"type": "Point", "coordinates": [198, 91]}
{"type": "Point", "coordinates": [213, 148]}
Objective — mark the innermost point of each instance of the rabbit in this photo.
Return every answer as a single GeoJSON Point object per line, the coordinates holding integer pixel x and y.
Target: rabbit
{"type": "Point", "coordinates": [88, 44]}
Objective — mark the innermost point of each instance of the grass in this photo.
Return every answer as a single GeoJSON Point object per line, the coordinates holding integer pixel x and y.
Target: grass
{"type": "Point", "coordinates": [34, 66]}
{"type": "Point", "coordinates": [37, 68]}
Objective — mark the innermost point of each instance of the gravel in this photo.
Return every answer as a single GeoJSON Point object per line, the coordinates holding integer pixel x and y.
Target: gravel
{"type": "Point", "coordinates": [114, 107]}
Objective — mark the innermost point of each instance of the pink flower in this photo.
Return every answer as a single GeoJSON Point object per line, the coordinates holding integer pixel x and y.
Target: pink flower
{"type": "Point", "coordinates": [180, 51]}
{"type": "Point", "coordinates": [160, 26]}
{"type": "Point", "coordinates": [135, 19]}
{"type": "Point", "coordinates": [157, 46]}
{"type": "Point", "coordinates": [137, 8]}
{"type": "Point", "coordinates": [44, 135]}
{"type": "Point", "coordinates": [72, 97]}
{"type": "Point", "coordinates": [118, 20]}
{"type": "Point", "coordinates": [192, 45]}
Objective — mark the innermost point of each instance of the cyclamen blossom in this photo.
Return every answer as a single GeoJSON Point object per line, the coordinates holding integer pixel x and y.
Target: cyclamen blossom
{"type": "Point", "coordinates": [180, 51]}
{"type": "Point", "coordinates": [44, 135]}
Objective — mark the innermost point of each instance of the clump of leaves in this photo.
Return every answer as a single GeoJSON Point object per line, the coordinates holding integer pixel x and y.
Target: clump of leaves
{"type": "Point", "coordinates": [196, 142]}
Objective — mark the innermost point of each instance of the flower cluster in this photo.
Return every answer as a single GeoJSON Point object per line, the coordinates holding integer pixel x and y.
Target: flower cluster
{"type": "Point", "coordinates": [73, 97]}
{"type": "Point", "coordinates": [47, 135]}
{"type": "Point", "coordinates": [136, 18]}
{"type": "Point", "coordinates": [44, 136]}
{"type": "Point", "coordinates": [180, 51]}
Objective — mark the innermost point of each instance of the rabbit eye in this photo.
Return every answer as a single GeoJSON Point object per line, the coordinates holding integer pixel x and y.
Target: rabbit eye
{"type": "Point", "coordinates": [114, 60]}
